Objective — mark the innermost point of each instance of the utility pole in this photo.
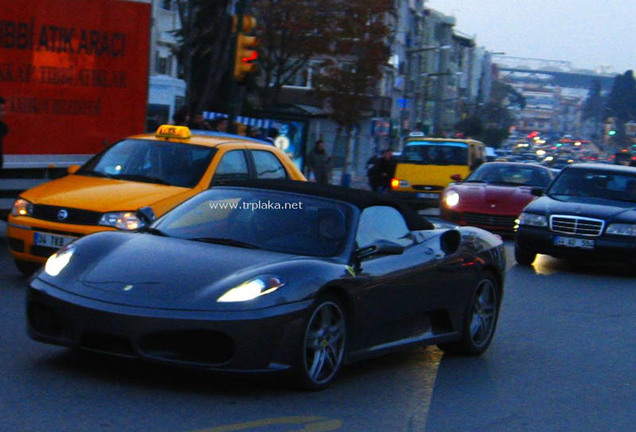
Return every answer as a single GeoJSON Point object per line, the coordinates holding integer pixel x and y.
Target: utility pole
{"type": "Point", "coordinates": [234, 87]}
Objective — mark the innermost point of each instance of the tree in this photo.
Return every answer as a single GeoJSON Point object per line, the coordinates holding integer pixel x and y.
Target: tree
{"type": "Point", "coordinates": [594, 105]}
{"type": "Point", "coordinates": [356, 52]}
{"type": "Point", "coordinates": [621, 103]}
{"type": "Point", "coordinates": [204, 51]}
{"type": "Point", "coordinates": [290, 33]}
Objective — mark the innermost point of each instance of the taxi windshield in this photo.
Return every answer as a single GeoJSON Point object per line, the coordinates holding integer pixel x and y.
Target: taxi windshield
{"type": "Point", "coordinates": [435, 153]}
{"type": "Point", "coordinates": [147, 161]}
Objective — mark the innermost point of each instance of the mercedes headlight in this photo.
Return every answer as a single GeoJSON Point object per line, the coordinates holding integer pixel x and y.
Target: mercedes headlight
{"type": "Point", "coordinates": [451, 198]}
{"type": "Point", "coordinates": [251, 289]}
{"type": "Point", "coordinates": [122, 220]}
{"type": "Point", "coordinates": [533, 220]}
{"type": "Point", "coordinates": [60, 259]}
{"type": "Point", "coordinates": [622, 229]}
{"type": "Point", "coordinates": [22, 207]}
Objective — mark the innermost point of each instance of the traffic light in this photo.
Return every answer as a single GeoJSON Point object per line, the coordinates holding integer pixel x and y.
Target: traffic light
{"type": "Point", "coordinates": [246, 45]}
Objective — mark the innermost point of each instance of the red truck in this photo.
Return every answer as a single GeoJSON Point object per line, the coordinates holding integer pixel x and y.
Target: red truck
{"type": "Point", "coordinates": [75, 77]}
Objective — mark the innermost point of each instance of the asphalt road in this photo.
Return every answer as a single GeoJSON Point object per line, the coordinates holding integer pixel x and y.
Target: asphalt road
{"type": "Point", "coordinates": [562, 360]}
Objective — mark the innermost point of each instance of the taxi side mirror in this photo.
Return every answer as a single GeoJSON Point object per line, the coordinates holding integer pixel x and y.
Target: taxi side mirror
{"type": "Point", "coordinates": [72, 169]}
{"type": "Point", "coordinates": [456, 177]}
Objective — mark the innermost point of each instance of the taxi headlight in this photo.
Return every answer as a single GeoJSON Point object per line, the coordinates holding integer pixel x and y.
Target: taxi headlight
{"type": "Point", "coordinates": [60, 259]}
{"type": "Point", "coordinates": [251, 289]}
{"type": "Point", "coordinates": [22, 207]}
{"type": "Point", "coordinates": [451, 198]}
{"type": "Point", "coordinates": [622, 229]}
{"type": "Point", "coordinates": [533, 220]}
{"type": "Point", "coordinates": [122, 220]}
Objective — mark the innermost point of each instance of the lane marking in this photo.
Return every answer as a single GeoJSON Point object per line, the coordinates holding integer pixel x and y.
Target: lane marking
{"type": "Point", "coordinates": [308, 424]}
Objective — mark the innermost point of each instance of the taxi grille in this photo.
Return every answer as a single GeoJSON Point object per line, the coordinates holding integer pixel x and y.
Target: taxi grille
{"type": "Point", "coordinates": [576, 225]}
{"type": "Point", "coordinates": [75, 216]}
{"type": "Point", "coordinates": [428, 188]}
{"type": "Point", "coordinates": [499, 221]}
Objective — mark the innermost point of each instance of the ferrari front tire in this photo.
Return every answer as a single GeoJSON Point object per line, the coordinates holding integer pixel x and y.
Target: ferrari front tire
{"type": "Point", "coordinates": [27, 268]}
{"type": "Point", "coordinates": [323, 345]}
{"type": "Point", "coordinates": [480, 319]}
{"type": "Point", "coordinates": [524, 256]}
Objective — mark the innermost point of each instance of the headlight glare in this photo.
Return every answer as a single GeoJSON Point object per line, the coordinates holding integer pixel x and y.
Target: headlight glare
{"type": "Point", "coordinates": [22, 207]}
{"type": "Point", "coordinates": [251, 289]}
{"type": "Point", "coordinates": [122, 220]}
{"type": "Point", "coordinates": [533, 220]}
{"type": "Point", "coordinates": [59, 260]}
{"type": "Point", "coordinates": [622, 229]}
{"type": "Point", "coordinates": [451, 198]}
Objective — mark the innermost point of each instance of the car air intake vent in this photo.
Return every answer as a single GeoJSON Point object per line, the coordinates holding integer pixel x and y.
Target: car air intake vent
{"type": "Point", "coordinates": [576, 225]}
{"type": "Point", "coordinates": [66, 215]}
{"type": "Point", "coordinates": [429, 188]}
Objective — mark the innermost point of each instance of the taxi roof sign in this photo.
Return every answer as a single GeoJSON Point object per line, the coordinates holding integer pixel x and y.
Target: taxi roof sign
{"type": "Point", "coordinates": [172, 131]}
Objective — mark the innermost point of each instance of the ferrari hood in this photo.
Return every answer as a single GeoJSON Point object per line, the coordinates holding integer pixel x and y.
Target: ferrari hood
{"type": "Point", "coordinates": [482, 196]}
{"type": "Point", "coordinates": [149, 271]}
{"type": "Point", "coordinates": [100, 194]}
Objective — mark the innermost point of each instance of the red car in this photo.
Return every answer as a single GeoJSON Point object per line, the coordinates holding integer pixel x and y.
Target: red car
{"type": "Point", "coordinates": [493, 195]}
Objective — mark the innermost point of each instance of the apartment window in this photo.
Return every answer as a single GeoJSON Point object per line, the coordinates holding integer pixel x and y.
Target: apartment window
{"type": "Point", "coordinates": [166, 4]}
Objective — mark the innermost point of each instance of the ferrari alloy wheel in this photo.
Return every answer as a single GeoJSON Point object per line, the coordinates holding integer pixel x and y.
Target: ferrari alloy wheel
{"type": "Point", "coordinates": [480, 320]}
{"type": "Point", "coordinates": [323, 345]}
{"type": "Point", "coordinates": [524, 256]}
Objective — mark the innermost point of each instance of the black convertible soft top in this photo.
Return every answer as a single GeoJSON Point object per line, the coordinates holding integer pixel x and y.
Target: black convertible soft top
{"type": "Point", "coordinates": [357, 197]}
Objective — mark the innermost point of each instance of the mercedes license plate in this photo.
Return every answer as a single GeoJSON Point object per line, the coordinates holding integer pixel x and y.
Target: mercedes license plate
{"type": "Point", "coordinates": [427, 195]}
{"type": "Point", "coordinates": [574, 242]}
{"type": "Point", "coordinates": [51, 240]}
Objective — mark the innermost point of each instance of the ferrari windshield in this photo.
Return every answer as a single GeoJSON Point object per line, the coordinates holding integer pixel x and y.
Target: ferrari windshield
{"type": "Point", "coordinates": [148, 161]}
{"type": "Point", "coordinates": [258, 219]}
{"type": "Point", "coordinates": [510, 174]}
{"type": "Point", "coordinates": [435, 153]}
{"type": "Point", "coordinates": [617, 186]}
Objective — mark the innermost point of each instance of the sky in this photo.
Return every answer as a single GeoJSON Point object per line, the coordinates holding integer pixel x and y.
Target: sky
{"type": "Point", "coordinates": [587, 33]}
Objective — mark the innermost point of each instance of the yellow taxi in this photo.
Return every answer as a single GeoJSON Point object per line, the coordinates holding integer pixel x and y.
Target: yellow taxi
{"type": "Point", "coordinates": [427, 165]}
{"type": "Point", "coordinates": [151, 172]}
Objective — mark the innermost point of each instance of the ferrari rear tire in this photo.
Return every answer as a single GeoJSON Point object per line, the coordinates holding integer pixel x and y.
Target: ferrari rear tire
{"type": "Point", "coordinates": [480, 319]}
{"type": "Point", "coordinates": [524, 256]}
{"type": "Point", "coordinates": [323, 344]}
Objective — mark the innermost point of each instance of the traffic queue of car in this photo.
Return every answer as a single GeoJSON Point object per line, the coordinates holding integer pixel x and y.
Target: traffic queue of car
{"type": "Point", "coordinates": [212, 251]}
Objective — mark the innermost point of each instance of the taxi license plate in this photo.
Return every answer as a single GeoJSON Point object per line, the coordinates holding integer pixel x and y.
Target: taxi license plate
{"type": "Point", "coordinates": [51, 240]}
{"type": "Point", "coordinates": [574, 242]}
{"type": "Point", "coordinates": [426, 195]}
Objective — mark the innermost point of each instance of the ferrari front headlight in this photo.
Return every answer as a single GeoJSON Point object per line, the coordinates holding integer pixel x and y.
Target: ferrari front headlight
{"type": "Point", "coordinates": [533, 220]}
{"type": "Point", "coordinates": [60, 259]}
{"type": "Point", "coordinates": [22, 207]}
{"type": "Point", "coordinates": [622, 229]}
{"type": "Point", "coordinates": [451, 198]}
{"type": "Point", "coordinates": [251, 289]}
{"type": "Point", "coordinates": [122, 220]}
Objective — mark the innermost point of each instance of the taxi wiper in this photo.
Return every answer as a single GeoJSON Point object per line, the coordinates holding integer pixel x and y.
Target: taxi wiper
{"type": "Point", "coordinates": [226, 241]}
{"type": "Point", "coordinates": [142, 178]}
{"type": "Point", "coordinates": [92, 173]}
{"type": "Point", "coordinates": [154, 231]}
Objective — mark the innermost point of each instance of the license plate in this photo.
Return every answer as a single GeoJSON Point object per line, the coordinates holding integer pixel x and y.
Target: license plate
{"type": "Point", "coordinates": [574, 242]}
{"type": "Point", "coordinates": [51, 240]}
{"type": "Point", "coordinates": [427, 195]}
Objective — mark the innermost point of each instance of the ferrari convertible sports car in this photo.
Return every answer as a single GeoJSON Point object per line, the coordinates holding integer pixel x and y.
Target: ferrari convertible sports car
{"type": "Point", "coordinates": [493, 195]}
{"type": "Point", "coordinates": [273, 276]}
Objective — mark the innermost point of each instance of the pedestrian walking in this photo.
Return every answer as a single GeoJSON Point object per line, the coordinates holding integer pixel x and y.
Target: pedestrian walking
{"type": "Point", "coordinates": [181, 117]}
{"type": "Point", "coordinates": [372, 172]}
{"type": "Point", "coordinates": [319, 163]}
{"type": "Point", "coordinates": [4, 129]}
{"type": "Point", "coordinates": [386, 170]}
